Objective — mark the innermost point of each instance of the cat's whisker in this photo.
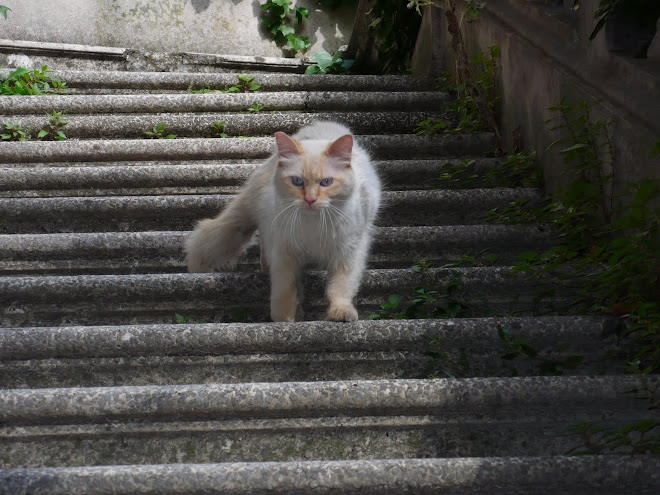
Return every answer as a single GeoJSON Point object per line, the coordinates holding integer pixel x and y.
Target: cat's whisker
{"type": "Point", "coordinates": [280, 213]}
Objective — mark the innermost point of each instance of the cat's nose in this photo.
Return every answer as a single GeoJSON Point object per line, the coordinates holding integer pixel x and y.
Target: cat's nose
{"type": "Point", "coordinates": [310, 200]}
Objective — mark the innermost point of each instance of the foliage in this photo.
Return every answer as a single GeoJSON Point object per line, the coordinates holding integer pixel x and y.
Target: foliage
{"type": "Point", "coordinates": [218, 129]}
{"type": "Point", "coordinates": [23, 81]}
{"type": "Point", "coordinates": [4, 10]}
{"type": "Point", "coordinates": [256, 108]}
{"type": "Point", "coordinates": [54, 130]}
{"type": "Point", "coordinates": [276, 14]}
{"type": "Point", "coordinates": [15, 132]}
{"type": "Point", "coordinates": [179, 318]}
{"type": "Point", "coordinates": [395, 24]}
{"type": "Point", "coordinates": [158, 132]}
{"type": "Point", "coordinates": [636, 10]}
{"type": "Point", "coordinates": [329, 64]}
{"type": "Point", "coordinates": [431, 300]}
{"type": "Point", "coordinates": [609, 255]}
{"type": "Point", "coordinates": [641, 437]}
{"type": "Point", "coordinates": [245, 85]}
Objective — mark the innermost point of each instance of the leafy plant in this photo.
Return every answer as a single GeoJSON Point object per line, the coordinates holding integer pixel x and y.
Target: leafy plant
{"type": "Point", "coordinates": [636, 10]}
{"type": "Point", "coordinates": [431, 126]}
{"type": "Point", "coordinates": [218, 129]}
{"type": "Point", "coordinates": [15, 132]}
{"type": "Point", "coordinates": [447, 366]}
{"type": "Point", "coordinates": [23, 81]}
{"type": "Point", "coordinates": [179, 318]}
{"type": "Point", "coordinates": [609, 257]}
{"type": "Point", "coordinates": [641, 437]}
{"type": "Point", "coordinates": [4, 10]}
{"type": "Point", "coordinates": [158, 132]}
{"type": "Point", "coordinates": [431, 300]}
{"type": "Point", "coordinates": [395, 24]}
{"type": "Point", "coordinates": [329, 64]}
{"type": "Point", "coordinates": [276, 18]}
{"type": "Point", "coordinates": [256, 108]}
{"type": "Point", "coordinates": [245, 85]}
{"type": "Point", "coordinates": [54, 130]}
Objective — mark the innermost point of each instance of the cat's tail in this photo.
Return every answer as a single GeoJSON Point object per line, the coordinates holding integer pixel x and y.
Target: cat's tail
{"type": "Point", "coordinates": [216, 242]}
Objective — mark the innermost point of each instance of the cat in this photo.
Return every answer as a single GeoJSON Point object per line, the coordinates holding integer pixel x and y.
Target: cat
{"type": "Point", "coordinates": [314, 201]}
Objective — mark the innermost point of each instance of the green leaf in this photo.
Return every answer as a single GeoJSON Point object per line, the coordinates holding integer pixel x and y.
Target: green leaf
{"type": "Point", "coordinates": [254, 87]}
{"type": "Point", "coordinates": [233, 89]}
{"type": "Point", "coordinates": [313, 69]}
{"type": "Point", "coordinates": [42, 133]}
{"type": "Point", "coordinates": [286, 30]}
{"type": "Point", "coordinates": [323, 58]}
{"type": "Point", "coordinates": [4, 10]}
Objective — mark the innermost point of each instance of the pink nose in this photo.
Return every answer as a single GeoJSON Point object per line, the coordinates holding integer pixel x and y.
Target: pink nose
{"type": "Point", "coordinates": [310, 200]}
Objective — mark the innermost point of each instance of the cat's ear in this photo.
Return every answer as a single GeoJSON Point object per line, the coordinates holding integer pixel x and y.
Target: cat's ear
{"type": "Point", "coordinates": [287, 147]}
{"type": "Point", "coordinates": [341, 150]}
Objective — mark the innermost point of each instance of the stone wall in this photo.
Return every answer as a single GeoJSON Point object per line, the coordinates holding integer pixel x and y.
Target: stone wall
{"type": "Point", "coordinates": [212, 26]}
{"type": "Point", "coordinates": [546, 56]}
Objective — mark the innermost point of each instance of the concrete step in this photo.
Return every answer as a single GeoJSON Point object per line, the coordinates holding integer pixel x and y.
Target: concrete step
{"type": "Point", "coordinates": [59, 56]}
{"type": "Point", "coordinates": [336, 420]}
{"type": "Point", "coordinates": [164, 178]}
{"type": "Point", "coordinates": [162, 252]}
{"type": "Point", "coordinates": [144, 213]}
{"type": "Point", "coordinates": [243, 352]}
{"type": "Point", "coordinates": [606, 475]}
{"type": "Point", "coordinates": [200, 125]}
{"type": "Point", "coordinates": [390, 147]}
{"type": "Point", "coordinates": [12, 108]}
{"type": "Point", "coordinates": [114, 81]}
{"type": "Point", "coordinates": [214, 297]}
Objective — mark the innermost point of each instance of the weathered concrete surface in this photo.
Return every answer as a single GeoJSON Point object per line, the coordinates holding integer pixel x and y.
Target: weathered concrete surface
{"type": "Point", "coordinates": [161, 252]}
{"type": "Point", "coordinates": [185, 81]}
{"type": "Point", "coordinates": [546, 56]}
{"type": "Point", "coordinates": [211, 26]}
{"type": "Point", "coordinates": [180, 212]}
{"type": "Point", "coordinates": [217, 177]}
{"type": "Point", "coordinates": [284, 421]}
{"type": "Point", "coordinates": [230, 353]}
{"type": "Point", "coordinates": [216, 297]}
{"type": "Point", "coordinates": [403, 146]}
{"type": "Point", "coordinates": [200, 125]}
{"type": "Point", "coordinates": [606, 475]}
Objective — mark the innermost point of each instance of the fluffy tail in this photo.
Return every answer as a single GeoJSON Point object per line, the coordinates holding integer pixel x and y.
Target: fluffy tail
{"type": "Point", "coordinates": [216, 242]}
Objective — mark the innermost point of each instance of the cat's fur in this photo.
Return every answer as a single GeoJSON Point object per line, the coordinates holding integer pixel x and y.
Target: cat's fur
{"type": "Point", "coordinates": [325, 224]}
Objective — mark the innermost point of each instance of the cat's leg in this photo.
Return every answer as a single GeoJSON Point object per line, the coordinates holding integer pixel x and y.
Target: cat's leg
{"type": "Point", "coordinates": [283, 287]}
{"type": "Point", "coordinates": [263, 257]}
{"type": "Point", "coordinates": [343, 283]}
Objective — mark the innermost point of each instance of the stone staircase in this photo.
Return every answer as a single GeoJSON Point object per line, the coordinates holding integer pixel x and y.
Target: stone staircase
{"type": "Point", "coordinates": [102, 391]}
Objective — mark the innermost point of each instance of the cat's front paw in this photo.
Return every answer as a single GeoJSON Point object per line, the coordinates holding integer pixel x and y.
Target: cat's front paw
{"type": "Point", "coordinates": [342, 312]}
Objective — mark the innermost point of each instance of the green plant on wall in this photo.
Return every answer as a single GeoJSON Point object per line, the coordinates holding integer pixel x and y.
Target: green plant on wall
{"type": "Point", "coordinates": [277, 20]}
{"type": "Point", "coordinates": [4, 10]}
{"type": "Point", "coordinates": [641, 12]}
{"type": "Point", "coordinates": [329, 64]}
{"type": "Point", "coordinates": [22, 81]}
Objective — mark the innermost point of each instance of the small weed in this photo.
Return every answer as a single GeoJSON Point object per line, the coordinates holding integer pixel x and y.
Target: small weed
{"type": "Point", "coordinates": [446, 366]}
{"type": "Point", "coordinates": [431, 126]}
{"type": "Point", "coordinates": [54, 130]}
{"type": "Point", "coordinates": [642, 437]}
{"type": "Point", "coordinates": [329, 64]}
{"type": "Point", "coordinates": [218, 129]}
{"type": "Point", "coordinates": [178, 318]}
{"type": "Point", "coordinates": [23, 81]}
{"type": "Point", "coordinates": [256, 108]}
{"type": "Point", "coordinates": [276, 14]}
{"type": "Point", "coordinates": [158, 132]}
{"type": "Point", "coordinates": [4, 10]}
{"type": "Point", "coordinates": [240, 316]}
{"type": "Point", "coordinates": [245, 84]}
{"type": "Point", "coordinates": [15, 132]}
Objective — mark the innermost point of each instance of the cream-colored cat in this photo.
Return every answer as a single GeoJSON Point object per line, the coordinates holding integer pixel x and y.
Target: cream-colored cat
{"type": "Point", "coordinates": [314, 201]}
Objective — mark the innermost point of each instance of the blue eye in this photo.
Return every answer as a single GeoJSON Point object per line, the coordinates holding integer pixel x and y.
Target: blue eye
{"type": "Point", "coordinates": [297, 181]}
{"type": "Point", "coordinates": [327, 181]}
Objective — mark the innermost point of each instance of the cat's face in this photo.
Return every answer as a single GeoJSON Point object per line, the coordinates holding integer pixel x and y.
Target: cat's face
{"type": "Point", "coordinates": [313, 174]}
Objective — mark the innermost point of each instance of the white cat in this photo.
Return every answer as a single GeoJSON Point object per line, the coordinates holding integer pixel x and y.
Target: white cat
{"type": "Point", "coordinates": [314, 201]}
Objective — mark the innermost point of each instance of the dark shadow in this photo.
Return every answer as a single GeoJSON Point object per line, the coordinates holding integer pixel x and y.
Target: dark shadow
{"type": "Point", "coordinates": [200, 5]}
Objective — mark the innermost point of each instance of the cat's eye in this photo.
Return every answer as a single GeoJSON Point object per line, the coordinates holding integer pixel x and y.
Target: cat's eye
{"type": "Point", "coordinates": [297, 181]}
{"type": "Point", "coordinates": [327, 181]}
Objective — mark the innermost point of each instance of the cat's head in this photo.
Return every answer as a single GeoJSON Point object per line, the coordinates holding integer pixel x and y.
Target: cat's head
{"type": "Point", "coordinates": [313, 173]}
